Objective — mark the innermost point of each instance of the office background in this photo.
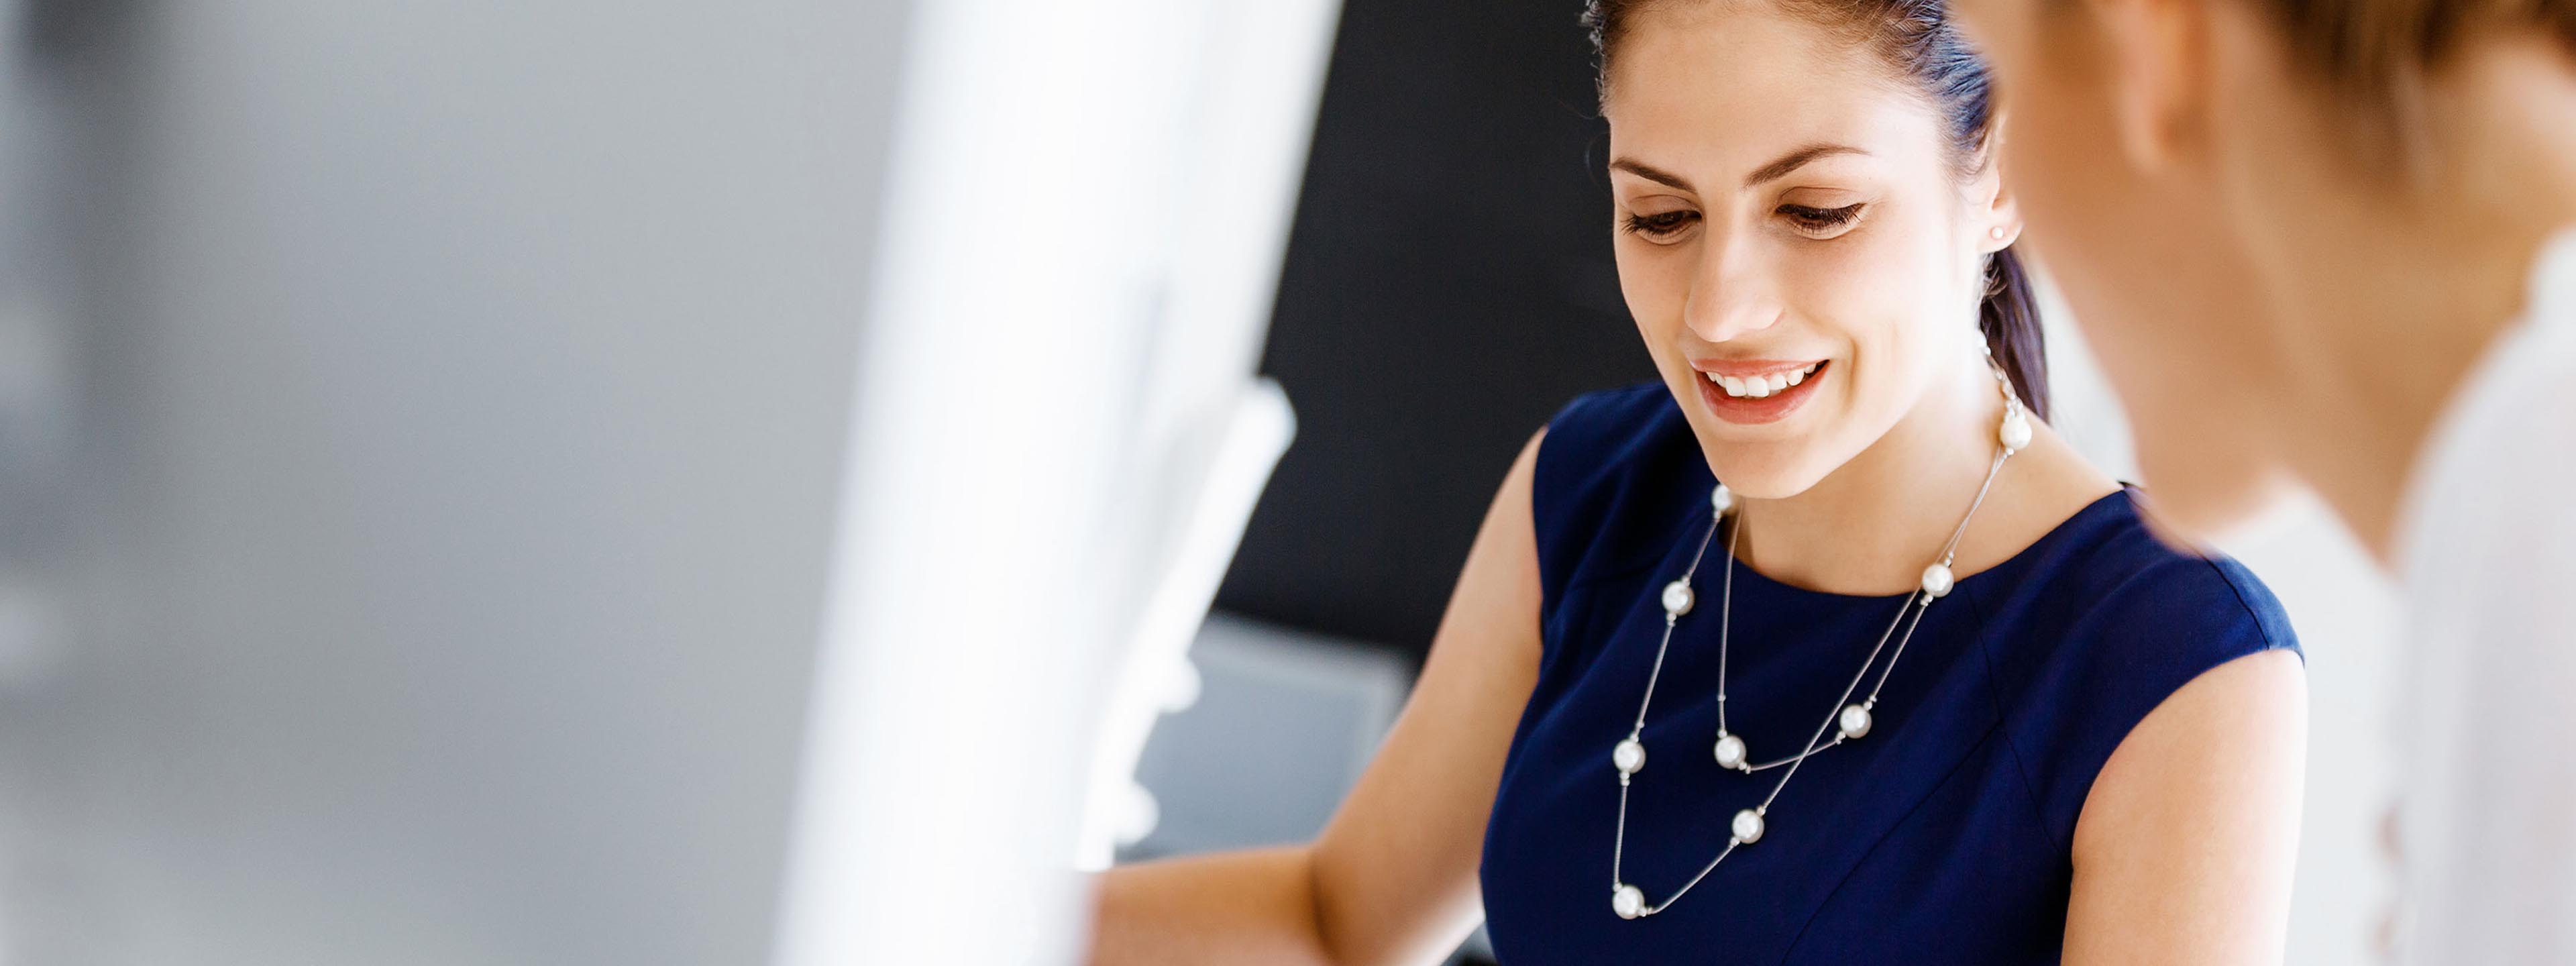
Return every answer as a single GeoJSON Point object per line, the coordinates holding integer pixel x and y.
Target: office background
{"type": "Point", "coordinates": [493, 482]}
{"type": "Point", "coordinates": [1448, 286]}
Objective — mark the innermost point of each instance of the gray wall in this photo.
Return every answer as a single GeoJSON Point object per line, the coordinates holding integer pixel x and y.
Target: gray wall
{"type": "Point", "coordinates": [420, 466]}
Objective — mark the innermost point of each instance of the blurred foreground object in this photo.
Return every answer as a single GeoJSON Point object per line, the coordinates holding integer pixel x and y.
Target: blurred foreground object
{"type": "Point", "coordinates": [631, 482]}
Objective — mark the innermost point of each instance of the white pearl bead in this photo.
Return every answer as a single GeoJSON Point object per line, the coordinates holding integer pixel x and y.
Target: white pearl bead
{"type": "Point", "coordinates": [1678, 598]}
{"type": "Point", "coordinates": [2015, 433]}
{"type": "Point", "coordinates": [1627, 902]}
{"type": "Point", "coordinates": [1721, 499]}
{"type": "Point", "coordinates": [1748, 826]}
{"type": "Point", "coordinates": [1629, 756]}
{"type": "Point", "coordinates": [1855, 720]}
{"type": "Point", "coordinates": [1937, 580]}
{"type": "Point", "coordinates": [1730, 750]}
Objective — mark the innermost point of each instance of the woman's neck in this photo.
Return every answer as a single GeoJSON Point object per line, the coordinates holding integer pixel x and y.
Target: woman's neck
{"type": "Point", "coordinates": [2387, 304]}
{"type": "Point", "coordinates": [1871, 525]}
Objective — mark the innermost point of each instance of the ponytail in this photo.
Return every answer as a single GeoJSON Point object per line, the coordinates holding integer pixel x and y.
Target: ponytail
{"type": "Point", "coordinates": [2010, 320]}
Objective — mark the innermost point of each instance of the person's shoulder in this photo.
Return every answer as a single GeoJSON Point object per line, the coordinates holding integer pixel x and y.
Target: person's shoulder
{"type": "Point", "coordinates": [2099, 629]}
{"type": "Point", "coordinates": [1608, 421]}
{"type": "Point", "coordinates": [1608, 457]}
{"type": "Point", "coordinates": [2106, 582]}
{"type": "Point", "coordinates": [1602, 436]}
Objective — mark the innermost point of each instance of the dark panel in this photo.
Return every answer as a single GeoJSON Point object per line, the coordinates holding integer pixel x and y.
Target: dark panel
{"type": "Point", "coordinates": [1448, 286]}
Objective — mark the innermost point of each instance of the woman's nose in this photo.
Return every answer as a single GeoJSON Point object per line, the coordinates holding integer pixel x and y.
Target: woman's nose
{"type": "Point", "coordinates": [1731, 294]}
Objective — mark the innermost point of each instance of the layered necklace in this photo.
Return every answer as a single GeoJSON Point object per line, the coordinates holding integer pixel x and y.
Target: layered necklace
{"type": "Point", "coordinates": [1847, 719]}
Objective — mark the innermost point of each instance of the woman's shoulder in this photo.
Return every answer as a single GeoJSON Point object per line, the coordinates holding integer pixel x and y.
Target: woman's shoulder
{"type": "Point", "coordinates": [2103, 624]}
{"type": "Point", "coordinates": [1606, 434]}
{"type": "Point", "coordinates": [1614, 467]}
{"type": "Point", "coordinates": [2104, 583]}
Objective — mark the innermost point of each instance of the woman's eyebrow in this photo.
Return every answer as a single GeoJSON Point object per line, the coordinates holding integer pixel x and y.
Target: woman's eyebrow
{"type": "Point", "coordinates": [1794, 160]}
{"type": "Point", "coordinates": [1652, 173]}
{"type": "Point", "coordinates": [1774, 171]}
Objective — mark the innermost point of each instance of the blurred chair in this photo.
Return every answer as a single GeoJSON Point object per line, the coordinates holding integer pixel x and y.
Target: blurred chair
{"type": "Point", "coordinates": [1285, 723]}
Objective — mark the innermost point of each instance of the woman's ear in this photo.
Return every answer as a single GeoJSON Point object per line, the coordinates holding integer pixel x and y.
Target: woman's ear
{"type": "Point", "coordinates": [2159, 73]}
{"type": "Point", "coordinates": [1991, 199]}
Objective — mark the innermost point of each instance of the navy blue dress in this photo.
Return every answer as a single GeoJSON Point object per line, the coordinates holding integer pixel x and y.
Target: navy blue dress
{"type": "Point", "coordinates": [1943, 836]}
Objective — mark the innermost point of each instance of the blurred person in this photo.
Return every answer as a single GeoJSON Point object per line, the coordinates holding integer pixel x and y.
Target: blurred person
{"type": "Point", "coordinates": [1914, 684]}
{"type": "Point", "coordinates": [2328, 245]}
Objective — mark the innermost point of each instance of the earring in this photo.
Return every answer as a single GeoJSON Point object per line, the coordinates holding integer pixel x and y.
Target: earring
{"type": "Point", "coordinates": [1996, 232]}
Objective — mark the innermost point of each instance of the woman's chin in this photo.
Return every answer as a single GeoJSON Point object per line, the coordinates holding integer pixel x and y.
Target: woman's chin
{"type": "Point", "coordinates": [1754, 474]}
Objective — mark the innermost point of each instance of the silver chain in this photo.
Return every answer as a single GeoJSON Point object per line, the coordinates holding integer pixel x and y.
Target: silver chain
{"type": "Point", "coordinates": [1748, 826]}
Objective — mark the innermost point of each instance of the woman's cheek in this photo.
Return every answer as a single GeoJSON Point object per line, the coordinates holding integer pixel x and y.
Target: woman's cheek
{"type": "Point", "coordinates": [1654, 291]}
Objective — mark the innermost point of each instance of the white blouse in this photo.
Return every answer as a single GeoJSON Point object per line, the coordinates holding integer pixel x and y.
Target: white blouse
{"type": "Point", "coordinates": [2484, 711]}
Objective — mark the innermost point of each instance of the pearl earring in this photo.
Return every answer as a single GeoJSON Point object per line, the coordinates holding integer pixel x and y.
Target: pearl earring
{"type": "Point", "coordinates": [1996, 232]}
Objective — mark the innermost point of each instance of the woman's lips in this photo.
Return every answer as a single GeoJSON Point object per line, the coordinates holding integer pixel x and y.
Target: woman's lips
{"type": "Point", "coordinates": [1752, 409]}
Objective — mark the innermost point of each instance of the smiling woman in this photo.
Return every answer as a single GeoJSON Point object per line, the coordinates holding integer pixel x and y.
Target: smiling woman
{"type": "Point", "coordinates": [1913, 683]}
{"type": "Point", "coordinates": [1816, 190]}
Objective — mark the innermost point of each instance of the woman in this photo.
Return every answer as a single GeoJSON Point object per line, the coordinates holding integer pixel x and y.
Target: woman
{"type": "Point", "coordinates": [2031, 723]}
{"type": "Point", "coordinates": [2314, 242]}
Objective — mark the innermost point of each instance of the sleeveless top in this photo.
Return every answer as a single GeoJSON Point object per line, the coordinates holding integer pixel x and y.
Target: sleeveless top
{"type": "Point", "coordinates": [1942, 836]}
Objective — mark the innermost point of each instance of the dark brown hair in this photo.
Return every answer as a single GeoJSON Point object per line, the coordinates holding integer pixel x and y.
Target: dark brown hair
{"type": "Point", "coordinates": [2377, 48]}
{"type": "Point", "coordinates": [1916, 38]}
{"type": "Point", "coordinates": [2374, 55]}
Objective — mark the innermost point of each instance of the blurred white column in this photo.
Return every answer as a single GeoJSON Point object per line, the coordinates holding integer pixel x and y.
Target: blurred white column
{"type": "Point", "coordinates": [1057, 438]}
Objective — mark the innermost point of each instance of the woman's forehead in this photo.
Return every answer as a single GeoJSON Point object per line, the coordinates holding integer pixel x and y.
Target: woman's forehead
{"type": "Point", "coordinates": [1723, 88]}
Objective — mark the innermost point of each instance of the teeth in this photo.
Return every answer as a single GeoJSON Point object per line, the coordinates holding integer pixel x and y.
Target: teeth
{"type": "Point", "coordinates": [1760, 387]}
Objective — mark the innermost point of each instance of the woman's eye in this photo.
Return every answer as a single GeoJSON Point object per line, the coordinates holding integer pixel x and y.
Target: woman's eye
{"type": "Point", "coordinates": [1821, 222]}
{"type": "Point", "coordinates": [1662, 224]}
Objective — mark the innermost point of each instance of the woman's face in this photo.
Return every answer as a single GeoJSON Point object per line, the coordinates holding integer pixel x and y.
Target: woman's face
{"type": "Point", "coordinates": [1789, 220]}
{"type": "Point", "coordinates": [2161, 292]}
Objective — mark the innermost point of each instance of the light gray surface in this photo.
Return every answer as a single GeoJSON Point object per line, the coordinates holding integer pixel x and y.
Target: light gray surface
{"type": "Point", "coordinates": [422, 439]}
{"type": "Point", "coordinates": [1285, 723]}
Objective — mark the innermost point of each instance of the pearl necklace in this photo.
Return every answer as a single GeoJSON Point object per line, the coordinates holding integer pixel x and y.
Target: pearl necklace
{"type": "Point", "coordinates": [1629, 756]}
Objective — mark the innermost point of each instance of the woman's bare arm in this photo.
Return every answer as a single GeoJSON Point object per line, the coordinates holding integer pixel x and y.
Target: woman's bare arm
{"type": "Point", "coordinates": [1392, 879]}
{"type": "Point", "coordinates": [1254, 906]}
{"type": "Point", "coordinates": [2184, 849]}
